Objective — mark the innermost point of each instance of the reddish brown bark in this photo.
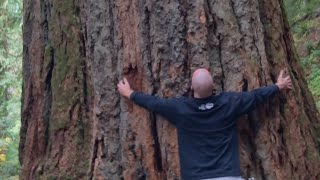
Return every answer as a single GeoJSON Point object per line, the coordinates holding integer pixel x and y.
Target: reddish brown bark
{"type": "Point", "coordinates": [76, 126]}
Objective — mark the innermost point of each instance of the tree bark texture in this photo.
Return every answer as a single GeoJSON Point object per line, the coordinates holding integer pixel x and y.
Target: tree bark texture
{"type": "Point", "coordinates": [76, 126]}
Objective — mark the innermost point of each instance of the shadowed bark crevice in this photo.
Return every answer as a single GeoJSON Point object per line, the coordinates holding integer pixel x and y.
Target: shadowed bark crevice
{"type": "Point", "coordinates": [221, 64]}
{"type": "Point", "coordinates": [93, 158]}
{"type": "Point", "coordinates": [49, 55]}
{"type": "Point", "coordinates": [156, 85]}
{"type": "Point", "coordinates": [244, 85]}
{"type": "Point", "coordinates": [48, 98]}
{"type": "Point", "coordinates": [157, 151]}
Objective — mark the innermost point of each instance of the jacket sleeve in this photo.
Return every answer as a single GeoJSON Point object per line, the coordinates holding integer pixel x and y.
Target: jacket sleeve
{"type": "Point", "coordinates": [168, 108]}
{"type": "Point", "coordinates": [247, 101]}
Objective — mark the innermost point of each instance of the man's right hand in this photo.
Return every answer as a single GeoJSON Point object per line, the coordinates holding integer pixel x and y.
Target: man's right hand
{"type": "Point", "coordinates": [124, 88]}
{"type": "Point", "coordinates": [284, 82]}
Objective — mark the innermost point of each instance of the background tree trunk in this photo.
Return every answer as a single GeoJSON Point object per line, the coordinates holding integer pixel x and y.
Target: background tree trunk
{"type": "Point", "coordinates": [75, 125]}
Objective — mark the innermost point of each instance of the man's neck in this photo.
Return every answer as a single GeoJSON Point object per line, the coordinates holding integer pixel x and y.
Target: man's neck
{"type": "Point", "coordinates": [201, 97]}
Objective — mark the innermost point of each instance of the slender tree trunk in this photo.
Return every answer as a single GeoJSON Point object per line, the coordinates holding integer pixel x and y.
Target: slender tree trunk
{"type": "Point", "coordinates": [76, 126]}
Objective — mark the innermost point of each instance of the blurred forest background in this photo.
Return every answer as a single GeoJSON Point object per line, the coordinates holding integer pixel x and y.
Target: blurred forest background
{"type": "Point", "coordinates": [10, 86]}
{"type": "Point", "coordinates": [303, 16]}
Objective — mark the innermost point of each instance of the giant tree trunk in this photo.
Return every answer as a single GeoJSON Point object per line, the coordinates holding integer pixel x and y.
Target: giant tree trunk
{"type": "Point", "coordinates": [76, 126]}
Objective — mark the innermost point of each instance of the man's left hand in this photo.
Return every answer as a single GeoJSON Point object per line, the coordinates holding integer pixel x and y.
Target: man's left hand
{"type": "Point", "coordinates": [284, 82]}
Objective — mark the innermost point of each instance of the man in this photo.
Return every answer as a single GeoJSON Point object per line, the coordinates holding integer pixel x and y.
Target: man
{"type": "Point", "coordinates": [206, 124]}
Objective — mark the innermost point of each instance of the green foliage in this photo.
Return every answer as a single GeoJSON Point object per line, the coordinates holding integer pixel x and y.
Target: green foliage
{"type": "Point", "coordinates": [303, 28]}
{"type": "Point", "coordinates": [311, 63]}
{"type": "Point", "coordinates": [10, 86]}
{"type": "Point", "coordinates": [312, 56]}
{"type": "Point", "coordinates": [314, 83]}
{"type": "Point", "coordinates": [300, 14]}
{"type": "Point", "coordinates": [10, 167]}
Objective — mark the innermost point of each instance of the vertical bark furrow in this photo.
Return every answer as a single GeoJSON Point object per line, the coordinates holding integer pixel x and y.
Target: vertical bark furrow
{"type": "Point", "coordinates": [130, 55]}
{"type": "Point", "coordinates": [214, 48]}
{"type": "Point", "coordinates": [221, 66]}
{"type": "Point", "coordinates": [153, 82]}
{"type": "Point", "coordinates": [93, 158]}
{"type": "Point", "coordinates": [102, 66]}
{"type": "Point", "coordinates": [48, 58]}
{"type": "Point", "coordinates": [230, 42]}
{"type": "Point", "coordinates": [250, 27]}
{"type": "Point", "coordinates": [48, 67]}
{"type": "Point", "coordinates": [151, 69]}
{"type": "Point", "coordinates": [155, 136]}
{"type": "Point", "coordinates": [168, 57]}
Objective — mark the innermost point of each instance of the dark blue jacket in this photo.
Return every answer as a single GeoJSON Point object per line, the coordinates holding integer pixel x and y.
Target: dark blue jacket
{"type": "Point", "coordinates": [207, 134]}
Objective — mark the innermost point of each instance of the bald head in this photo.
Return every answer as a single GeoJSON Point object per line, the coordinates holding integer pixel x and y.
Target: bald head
{"type": "Point", "coordinates": [202, 83]}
